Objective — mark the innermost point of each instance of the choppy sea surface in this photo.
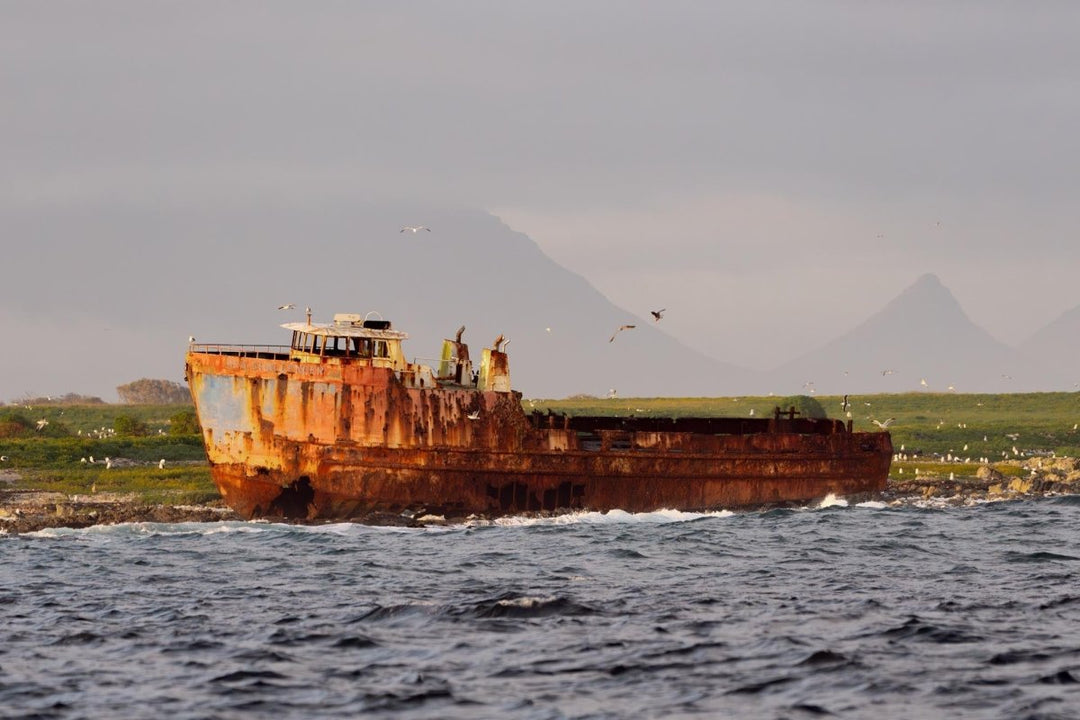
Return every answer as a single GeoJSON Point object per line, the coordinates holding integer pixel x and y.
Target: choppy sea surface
{"type": "Point", "coordinates": [864, 611]}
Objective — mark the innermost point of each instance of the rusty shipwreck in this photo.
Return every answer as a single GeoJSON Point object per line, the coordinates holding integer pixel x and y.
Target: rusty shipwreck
{"type": "Point", "coordinates": [339, 425]}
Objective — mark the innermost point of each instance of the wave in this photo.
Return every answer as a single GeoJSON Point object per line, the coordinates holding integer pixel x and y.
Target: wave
{"type": "Point", "coordinates": [144, 529]}
{"type": "Point", "coordinates": [611, 517]}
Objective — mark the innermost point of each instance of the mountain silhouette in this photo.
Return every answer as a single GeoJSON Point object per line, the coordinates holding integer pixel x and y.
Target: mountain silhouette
{"type": "Point", "coordinates": [1055, 347]}
{"type": "Point", "coordinates": [147, 279]}
{"type": "Point", "coordinates": [922, 334]}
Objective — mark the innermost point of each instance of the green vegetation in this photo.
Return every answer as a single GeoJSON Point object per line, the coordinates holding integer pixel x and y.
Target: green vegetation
{"type": "Point", "coordinates": [88, 420]}
{"type": "Point", "coordinates": [926, 427]}
{"type": "Point", "coordinates": [128, 426]}
{"type": "Point", "coordinates": [923, 423]}
{"type": "Point", "coordinates": [804, 405]}
{"type": "Point", "coordinates": [153, 392]}
{"type": "Point", "coordinates": [57, 457]}
{"type": "Point", "coordinates": [184, 422]}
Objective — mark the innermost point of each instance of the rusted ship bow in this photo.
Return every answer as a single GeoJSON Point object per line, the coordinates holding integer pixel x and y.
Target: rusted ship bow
{"type": "Point", "coordinates": [339, 425]}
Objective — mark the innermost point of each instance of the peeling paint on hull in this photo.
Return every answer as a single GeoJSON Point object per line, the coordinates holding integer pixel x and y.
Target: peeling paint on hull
{"type": "Point", "coordinates": [343, 440]}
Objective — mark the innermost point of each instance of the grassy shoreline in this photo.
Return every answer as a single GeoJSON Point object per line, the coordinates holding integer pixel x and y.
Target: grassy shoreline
{"type": "Point", "coordinates": [947, 445]}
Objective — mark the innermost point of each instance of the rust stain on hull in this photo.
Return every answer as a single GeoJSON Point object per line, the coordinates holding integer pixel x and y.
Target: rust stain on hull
{"type": "Point", "coordinates": [288, 437]}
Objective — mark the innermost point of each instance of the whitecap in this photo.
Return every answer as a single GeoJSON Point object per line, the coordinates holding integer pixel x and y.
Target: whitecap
{"type": "Point", "coordinates": [611, 517]}
{"type": "Point", "coordinates": [831, 500]}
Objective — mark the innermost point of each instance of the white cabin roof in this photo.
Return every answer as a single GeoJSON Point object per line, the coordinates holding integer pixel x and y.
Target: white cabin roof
{"type": "Point", "coordinates": [345, 330]}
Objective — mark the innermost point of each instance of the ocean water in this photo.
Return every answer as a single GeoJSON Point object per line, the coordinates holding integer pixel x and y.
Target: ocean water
{"type": "Point", "coordinates": [860, 611]}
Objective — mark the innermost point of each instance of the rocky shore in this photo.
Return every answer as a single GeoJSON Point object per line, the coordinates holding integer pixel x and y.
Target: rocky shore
{"type": "Point", "coordinates": [1003, 480]}
{"type": "Point", "coordinates": [23, 511]}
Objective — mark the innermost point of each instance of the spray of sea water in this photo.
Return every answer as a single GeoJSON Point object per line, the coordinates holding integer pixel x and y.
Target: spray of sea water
{"type": "Point", "coordinates": [850, 610]}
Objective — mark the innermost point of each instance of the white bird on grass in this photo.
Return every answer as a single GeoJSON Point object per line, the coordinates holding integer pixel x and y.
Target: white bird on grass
{"type": "Point", "coordinates": [108, 463]}
{"type": "Point", "coordinates": [4, 458]}
{"type": "Point", "coordinates": [42, 423]}
{"type": "Point", "coordinates": [161, 464]}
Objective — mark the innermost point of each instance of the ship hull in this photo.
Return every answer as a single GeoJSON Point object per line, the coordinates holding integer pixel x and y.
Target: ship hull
{"type": "Point", "coordinates": [333, 442]}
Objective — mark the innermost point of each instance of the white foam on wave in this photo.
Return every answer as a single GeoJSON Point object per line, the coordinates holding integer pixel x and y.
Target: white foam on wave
{"type": "Point", "coordinates": [611, 517]}
{"type": "Point", "coordinates": [148, 529]}
{"type": "Point", "coordinates": [873, 505]}
{"type": "Point", "coordinates": [831, 500]}
{"type": "Point", "coordinates": [527, 601]}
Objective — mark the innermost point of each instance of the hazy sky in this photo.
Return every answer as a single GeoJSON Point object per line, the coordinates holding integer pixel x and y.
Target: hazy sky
{"type": "Point", "coordinates": [771, 172]}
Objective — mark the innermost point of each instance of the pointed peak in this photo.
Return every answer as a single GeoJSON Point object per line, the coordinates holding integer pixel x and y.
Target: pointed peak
{"type": "Point", "coordinates": [928, 280]}
{"type": "Point", "coordinates": [929, 286]}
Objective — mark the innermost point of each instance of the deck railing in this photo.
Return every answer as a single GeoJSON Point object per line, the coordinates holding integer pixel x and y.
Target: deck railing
{"type": "Point", "coordinates": [252, 351]}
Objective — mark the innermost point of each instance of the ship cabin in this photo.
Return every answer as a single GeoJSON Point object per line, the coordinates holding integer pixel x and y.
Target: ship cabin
{"type": "Point", "coordinates": [353, 338]}
{"type": "Point", "coordinates": [350, 337]}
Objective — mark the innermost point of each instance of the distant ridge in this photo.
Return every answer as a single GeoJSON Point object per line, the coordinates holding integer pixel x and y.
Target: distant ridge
{"type": "Point", "coordinates": [1056, 347]}
{"type": "Point", "coordinates": [147, 279]}
{"type": "Point", "coordinates": [922, 334]}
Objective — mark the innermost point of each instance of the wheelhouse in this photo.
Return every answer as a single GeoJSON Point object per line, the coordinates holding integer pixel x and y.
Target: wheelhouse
{"type": "Point", "coordinates": [349, 338]}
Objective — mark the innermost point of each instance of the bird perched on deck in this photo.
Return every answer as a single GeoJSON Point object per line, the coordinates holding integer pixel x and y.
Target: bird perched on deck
{"type": "Point", "coordinates": [286, 306]}
{"type": "Point", "coordinates": [658, 314]}
{"type": "Point", "coordinates": [414, 228]}
{"type": "Point", "coordinates": [621, 328]}
{"type": "Point", "coordinates": [883, 424]}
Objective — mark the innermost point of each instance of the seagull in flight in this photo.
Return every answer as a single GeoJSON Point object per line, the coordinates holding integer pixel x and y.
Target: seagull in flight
{"type": "Point", "coordinates": [414, 228]}
{"type": "Point", "coordinates": [42, 423]}
{"type": "Point", "coordinates": [474, 415]}
{"type": "Point", "coordinates": [883, 425]}
{"type": "Point", "coordinates": [286, 306]}
{"type": "Point", "coordinates": [621, 328]}
{"type": "Point", "coordinates": [887, 372]}
{"type": "Point", "coordinates": [658, 314]}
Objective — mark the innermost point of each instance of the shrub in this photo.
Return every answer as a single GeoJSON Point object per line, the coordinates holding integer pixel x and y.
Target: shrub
{"type": "Point", "coordinates": [805, 406]}
{"type": "Point", "coordinates": [128, 426]}
{"type": "Point", "coordinates": [184, 423]}
{"type": "Point", "coordinates": [153, 392]}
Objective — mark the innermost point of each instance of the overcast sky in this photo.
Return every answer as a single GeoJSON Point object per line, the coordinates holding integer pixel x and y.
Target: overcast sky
{"type": "Point", "coordinates": [771, 172]}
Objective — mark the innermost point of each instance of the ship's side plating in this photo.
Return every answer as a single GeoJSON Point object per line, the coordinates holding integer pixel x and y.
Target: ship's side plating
{"type": "Point", "coordinates": [339, 439]}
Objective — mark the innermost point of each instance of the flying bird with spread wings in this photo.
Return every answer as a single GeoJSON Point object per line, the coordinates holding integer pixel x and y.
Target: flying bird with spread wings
{"type": "Point", "coordinates": [658, 314]}
{"type": "Point", "coordinates": [883, 424]}
{"type": "Point", "coordinates": [414, 228]}
{"type": "Point", "coordinates": [621, 328]}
